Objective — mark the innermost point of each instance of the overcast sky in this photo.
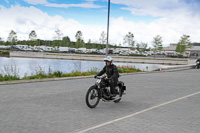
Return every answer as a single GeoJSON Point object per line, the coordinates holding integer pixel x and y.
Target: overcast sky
{"type": "Point", "coordinates": [144, 18]}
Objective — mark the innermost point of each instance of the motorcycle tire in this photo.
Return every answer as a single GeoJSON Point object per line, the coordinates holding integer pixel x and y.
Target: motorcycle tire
{"type": "Point", "coordinates": [92, 97]}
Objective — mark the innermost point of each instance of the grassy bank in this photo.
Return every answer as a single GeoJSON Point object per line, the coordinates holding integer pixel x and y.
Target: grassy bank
{"type": "Point", "coordinates": [9, 77]}
{"type": "Point", "coordinates": [127, 69]}
{"type": "Point", "coordinates": [4, 53]}
{"type": "Point", "coordinates": [58, 74]}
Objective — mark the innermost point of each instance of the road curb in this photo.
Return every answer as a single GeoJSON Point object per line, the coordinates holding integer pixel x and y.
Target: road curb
{"type": "Point", "coordinates": [170, 69]}
{"type": "Point", "coordinates": [42, 80]}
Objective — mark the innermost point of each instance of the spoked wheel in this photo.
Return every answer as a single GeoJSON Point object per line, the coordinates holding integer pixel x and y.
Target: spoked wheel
{"type": "Point", "coordinates": [92, 97]}
{"type": "Point", "coordinates": [118, 97]}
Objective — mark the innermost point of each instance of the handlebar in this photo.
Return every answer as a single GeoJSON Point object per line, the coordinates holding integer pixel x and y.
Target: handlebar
{"type": "Point", "coordinates": [100, 77]}
{"type": "Point", "coordinates": [97, 77]}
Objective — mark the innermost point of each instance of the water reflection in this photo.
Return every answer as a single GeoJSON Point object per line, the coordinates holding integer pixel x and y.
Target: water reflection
{"type": "Point", "coordinates": [30, 66]}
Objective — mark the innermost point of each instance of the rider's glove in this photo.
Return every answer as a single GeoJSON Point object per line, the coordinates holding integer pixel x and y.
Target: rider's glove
{"type": "Point", "coordinates": [95, 76]}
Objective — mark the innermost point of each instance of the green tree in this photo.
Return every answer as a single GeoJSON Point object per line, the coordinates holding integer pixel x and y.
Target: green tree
{"type": "Point", "coordinates": [129, 39]}
{"type": "Point", "coordinates": [157, 43]}
{"type": "Point", "coordinates": [82, 43]}
{"type": "Point", "coordinates": [78, 35]}
{"type": "Point", "coordinates": [79, 41]}
{"type": "Point", "coordinates": [33, 38]}
{"type": "Point", "coordinates": [183, 44]}
{"type": "Point", "coordinates": [103, 38]}
{"type": "Point", "coordinates": [141, 46]}
{"type": "Point", "coordinates": [59, 35]}
{"type": "Point", "coordinates": [66, 41]}
{"type": "Point", "coordinates": [57, 38]}
{"type": "Point", "coordinates": [87, 45]}
{"type": "Point", "coordinates": [12, 37]}
{"type": "Point", "coordinates": [33, 35]}
{"type": "Point", "coordinates": [89, 41]}
{"type": "Point", "coordinates": [1, 41]}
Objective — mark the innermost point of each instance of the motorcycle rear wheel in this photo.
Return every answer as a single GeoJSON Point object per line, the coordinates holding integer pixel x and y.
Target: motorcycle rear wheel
{"type": "Point", "coordinates": [92, 97]}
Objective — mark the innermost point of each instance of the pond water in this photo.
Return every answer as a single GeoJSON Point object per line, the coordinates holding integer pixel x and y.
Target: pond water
{"type": "Point", "coordinates": [28, 66]}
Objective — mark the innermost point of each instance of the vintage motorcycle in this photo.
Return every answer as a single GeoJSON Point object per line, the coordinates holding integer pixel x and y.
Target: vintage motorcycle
{"type": "Point", "coordinates": [101, 90]}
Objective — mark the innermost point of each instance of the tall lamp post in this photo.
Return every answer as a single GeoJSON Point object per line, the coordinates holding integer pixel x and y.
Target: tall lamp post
{"type": "Point", "coordinates": [108, 27]}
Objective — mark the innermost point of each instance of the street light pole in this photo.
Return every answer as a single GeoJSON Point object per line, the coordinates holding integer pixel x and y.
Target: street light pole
{"type": "Point", "coordinates": [108, 27]}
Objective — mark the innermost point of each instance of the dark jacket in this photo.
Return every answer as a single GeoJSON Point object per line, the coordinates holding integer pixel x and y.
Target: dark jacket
{"type": "Point", "coordinates": [111, 71]}
{"type": "Point", "coordinates": [198, 60]}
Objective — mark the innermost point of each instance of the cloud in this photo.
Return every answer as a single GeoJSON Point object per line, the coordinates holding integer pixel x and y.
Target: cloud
{"type": "Point", "coordinates": [36, 2]}
{"type": "Point", "coordinates": [88, 4]}
{"type": "Point", "coordinates": [173, 19]}
{"type": "Point", "coordinates": [6, 1]}
{"type": "Point", "coordinates": [25, 19]}
{"type": "Point", "coordinates": [158, 8]}
{"type": "Point", "coordinates": [170, 29]}
{"type": "Point", "coordinates": [83, 5]}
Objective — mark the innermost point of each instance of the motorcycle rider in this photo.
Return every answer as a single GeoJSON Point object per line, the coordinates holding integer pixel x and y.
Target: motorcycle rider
{"type": "Point", "coordinates": [112, 73]}
{"type": "Point", "coordinates": [198, 60]}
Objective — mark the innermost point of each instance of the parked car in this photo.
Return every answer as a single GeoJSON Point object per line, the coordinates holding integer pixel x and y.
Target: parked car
{"type": "Point", "coordinates": [63, 49]}
{"type": "Point", "coordinates": [71, 50]}
{"type": "Point", "coordinates": [110, 51]}
{"type": "Point", "coordinates": [16, 48]}
{"type": "Point", "coordinates": [124, 53]}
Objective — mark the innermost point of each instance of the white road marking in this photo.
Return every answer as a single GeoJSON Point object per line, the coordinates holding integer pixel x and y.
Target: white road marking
{"type": "Point", "coordinates": [134, 114]}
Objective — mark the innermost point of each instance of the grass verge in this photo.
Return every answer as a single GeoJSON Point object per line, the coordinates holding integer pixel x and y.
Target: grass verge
{"type": "Point", "coordinates": [59, 74]}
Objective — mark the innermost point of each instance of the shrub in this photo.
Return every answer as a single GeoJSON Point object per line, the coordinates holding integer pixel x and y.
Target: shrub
{"type": "Point", "coordinates": [58, 74]}
{"type": "Point", "coordinates": [127, 69]}
{"type": "Point", "coordinates": [9, 77]}
{"type": "Point", "coordinates": [5, 52]}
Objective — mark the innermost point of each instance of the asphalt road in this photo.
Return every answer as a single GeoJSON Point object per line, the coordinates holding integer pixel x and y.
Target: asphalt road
{"type": "Point", "coordinates": [166, 102]}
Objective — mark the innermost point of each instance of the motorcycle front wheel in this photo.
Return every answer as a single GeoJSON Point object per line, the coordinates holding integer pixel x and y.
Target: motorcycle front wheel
{"type": "Point", "coordinates": [92, 97]}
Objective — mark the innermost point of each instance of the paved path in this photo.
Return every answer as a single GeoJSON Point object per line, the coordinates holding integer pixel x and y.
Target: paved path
{"type": "Point", "coordinates": [88, 57]}
{"type": "Point", "coordinates": [165, 102]}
